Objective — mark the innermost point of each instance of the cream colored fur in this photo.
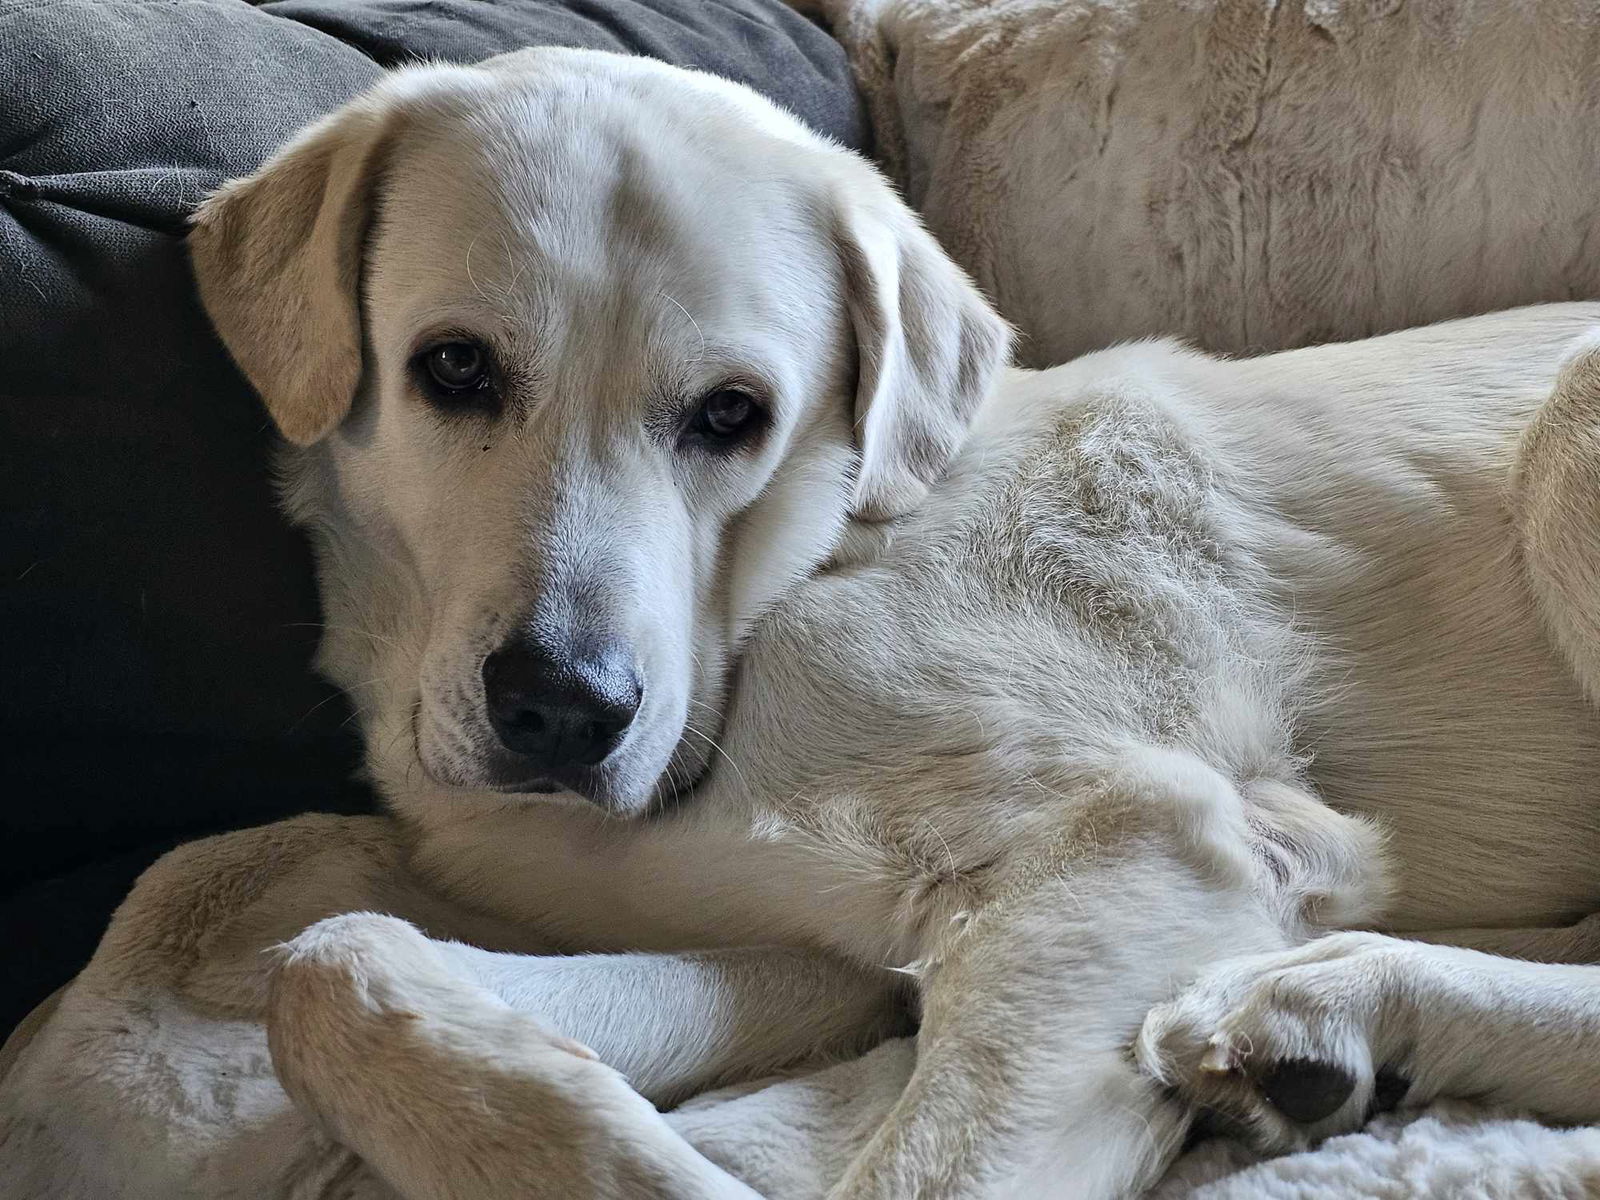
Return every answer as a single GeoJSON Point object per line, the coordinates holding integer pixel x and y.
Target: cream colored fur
{"type": "Point", "coordinates": [1247, 174]}
{"type": "Point", "coordinates": [1160, 665]}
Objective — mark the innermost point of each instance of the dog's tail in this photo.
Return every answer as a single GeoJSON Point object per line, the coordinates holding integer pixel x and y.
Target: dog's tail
{"type": "Point", "coordinates": [1555, 487]}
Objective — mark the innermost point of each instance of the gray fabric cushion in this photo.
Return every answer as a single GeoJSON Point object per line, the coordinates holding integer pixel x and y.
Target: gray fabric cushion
{"type": "Point", "coordinates": [158, 618]}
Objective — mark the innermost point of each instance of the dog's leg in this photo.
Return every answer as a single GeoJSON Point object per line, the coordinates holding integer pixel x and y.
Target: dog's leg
{"type": "Point", "coordinates": [677, 1024]}
{"type": "Point", "coordinates": [449, 1092]}
{"type": "Point", "coordinates": [1342, 1020]}
{"type": "Point", "coordinates": [1025, 1084]}
{"type": "Point", "coordinates": [408, 1051]}
{"type": "Point", "coordinates": [152, 1077]}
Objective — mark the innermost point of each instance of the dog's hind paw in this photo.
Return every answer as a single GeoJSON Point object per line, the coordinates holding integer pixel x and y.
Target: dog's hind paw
{"type": "Point", "coordinates": [1289, 1047]}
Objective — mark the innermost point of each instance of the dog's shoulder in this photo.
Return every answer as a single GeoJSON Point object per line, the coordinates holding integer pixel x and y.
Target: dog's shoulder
{"type": "Point", "coordinates": [1093, 484]}
{"type": "Point", "coordinates": [1093, 546]}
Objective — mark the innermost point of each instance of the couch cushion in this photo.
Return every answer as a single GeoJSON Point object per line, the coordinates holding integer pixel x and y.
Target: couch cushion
{"type": "Point", "coordinates": [158, 616]}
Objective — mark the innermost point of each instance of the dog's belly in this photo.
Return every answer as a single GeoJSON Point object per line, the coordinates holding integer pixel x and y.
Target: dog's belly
{"type": "Point", "coordinates": [1454, 724]}
{"type": "Point", "coordinates": [1443, 708]}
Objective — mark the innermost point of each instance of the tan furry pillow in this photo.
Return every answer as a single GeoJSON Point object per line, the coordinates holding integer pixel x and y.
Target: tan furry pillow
{"type": "Point", "coordinates": [1252, 175]}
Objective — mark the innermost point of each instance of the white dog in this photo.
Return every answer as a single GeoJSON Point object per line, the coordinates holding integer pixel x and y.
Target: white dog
{"type": "Point", "coordinates": [632, 415]}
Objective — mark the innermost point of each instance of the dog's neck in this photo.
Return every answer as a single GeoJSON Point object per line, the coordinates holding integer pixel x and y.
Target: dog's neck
{"type": "Point", "coordinates": [861, 542]}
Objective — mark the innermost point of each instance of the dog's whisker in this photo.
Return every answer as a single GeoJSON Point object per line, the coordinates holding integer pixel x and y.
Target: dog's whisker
{"type": "Point", "coordinates": [698, 331]}
{"type": "Point", "coordinates": [712, 742]}
{"type": "Point", "coordinates": [338, 628]}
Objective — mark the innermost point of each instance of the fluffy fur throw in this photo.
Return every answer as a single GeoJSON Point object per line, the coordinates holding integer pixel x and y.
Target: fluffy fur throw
{"type": "Point", "coordinates": [778, 1139]}
{"type": "Point", "coordinates": [1250, 174]}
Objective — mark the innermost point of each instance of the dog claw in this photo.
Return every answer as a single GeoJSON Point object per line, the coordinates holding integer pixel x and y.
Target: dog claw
{"type": "Point", "coordinates": [575, 1048]}
{"type": "Point", "coordinates": [1218, 1059]}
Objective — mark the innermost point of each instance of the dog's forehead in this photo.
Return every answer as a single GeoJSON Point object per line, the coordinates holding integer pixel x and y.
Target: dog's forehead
{"type": "Point", "coordinates": [547, 202]}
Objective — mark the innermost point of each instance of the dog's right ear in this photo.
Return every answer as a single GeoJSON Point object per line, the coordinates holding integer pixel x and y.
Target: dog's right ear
{"type": "Point", "coordinates": [928, 346]}
{"type": "Point", "coordinates": [277, 257]}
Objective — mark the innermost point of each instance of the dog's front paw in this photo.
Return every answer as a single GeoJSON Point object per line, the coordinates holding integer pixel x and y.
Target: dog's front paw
{"type": "Point", "coordinates": [1287, 1047]}
{"type": "Point", "coordinates": [434, 1080]}
{"type": "Point", "coordinates": [365, 991]}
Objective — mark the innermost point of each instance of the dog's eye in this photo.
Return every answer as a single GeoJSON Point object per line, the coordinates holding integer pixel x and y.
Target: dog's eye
{"type": "Point", "coordinates": [457, 366]}
{"type": "Point", "coordinates": [727, 415]}
{"type": "Point", "coordinates": [457, 376]}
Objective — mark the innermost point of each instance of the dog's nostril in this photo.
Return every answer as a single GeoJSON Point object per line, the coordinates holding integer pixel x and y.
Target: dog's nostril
{"type": "Point", "coordinates": [527, 719]}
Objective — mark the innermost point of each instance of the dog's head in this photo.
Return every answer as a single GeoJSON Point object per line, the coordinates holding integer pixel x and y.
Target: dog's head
{"type": "Point", "coordinates": [587, 360]}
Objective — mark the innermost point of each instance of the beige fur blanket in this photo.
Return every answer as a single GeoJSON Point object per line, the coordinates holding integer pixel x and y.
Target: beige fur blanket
{"type": "Point", "coordinates": [1250, 174]}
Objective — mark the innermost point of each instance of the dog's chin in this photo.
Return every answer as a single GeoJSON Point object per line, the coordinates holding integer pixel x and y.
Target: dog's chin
{"type": "Point", "coordinates": [591, 786]}
{"type": "Point", "coordinates": [505, 779]}
{"type": "Point", "coordinates": [645, 775]}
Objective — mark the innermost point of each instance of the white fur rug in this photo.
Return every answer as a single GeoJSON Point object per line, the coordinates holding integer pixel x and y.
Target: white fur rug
{"type": "Point", "coordinates": [784, 1140]}
{"type": "Point", "coordinates": [1447, 1150]}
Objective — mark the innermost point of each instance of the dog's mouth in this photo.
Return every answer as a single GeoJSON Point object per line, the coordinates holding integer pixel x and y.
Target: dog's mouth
{"type": "Point", "coordinates": [530, 787]}
{"type": "Point", "coordinates": [514, 780]}
{"type": "Point", "coordinates": [504, 776]}
{"type": "Point", "coordinates": [463, 761]}
{"type": "Point", "coordinates": [543, 789]}
{"type": "Point", "coordinates": [491, 772]}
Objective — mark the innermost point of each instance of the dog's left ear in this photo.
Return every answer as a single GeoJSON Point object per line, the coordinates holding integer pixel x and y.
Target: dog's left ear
{"type": "Point", "coordinates": [277, 255]}
{"type": "Point", "coordinates": [928, 347]}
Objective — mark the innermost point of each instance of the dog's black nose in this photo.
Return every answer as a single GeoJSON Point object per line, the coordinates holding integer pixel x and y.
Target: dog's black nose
{"type": "Point", "coordinates": [560, 710]}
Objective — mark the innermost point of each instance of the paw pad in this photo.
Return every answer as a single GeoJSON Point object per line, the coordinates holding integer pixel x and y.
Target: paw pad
{"type": "Point", "coordinates": [1306, 1091]}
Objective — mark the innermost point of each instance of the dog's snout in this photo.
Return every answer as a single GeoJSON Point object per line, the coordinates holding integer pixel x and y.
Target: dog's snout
{"type": "Point", "coordinates": [560, 709]}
